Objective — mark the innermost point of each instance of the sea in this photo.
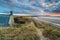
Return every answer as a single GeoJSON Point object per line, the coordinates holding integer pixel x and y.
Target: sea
{"type": "Point", "coordinates": [4, 20]}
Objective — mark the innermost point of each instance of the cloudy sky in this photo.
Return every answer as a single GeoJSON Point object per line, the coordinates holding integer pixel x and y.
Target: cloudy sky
{"type": "Point", "coordinates": [30, 6]}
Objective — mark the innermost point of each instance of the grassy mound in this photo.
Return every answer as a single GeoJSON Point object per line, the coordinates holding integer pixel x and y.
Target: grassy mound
{"type": "Point", "coordinates": [51, 31]}
{"type": "Point", "coordinates": [20, 33]}
{"type": "Point", "coordinates": [23, 31]}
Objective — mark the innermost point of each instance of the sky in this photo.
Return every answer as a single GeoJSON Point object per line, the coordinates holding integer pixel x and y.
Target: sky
{"type": "Point", "coordinates": [30, 6]}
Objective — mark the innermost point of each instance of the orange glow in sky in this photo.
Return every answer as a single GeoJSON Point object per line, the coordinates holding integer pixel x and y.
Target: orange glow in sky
{"type": "Point", "coordinates": [54, 14]}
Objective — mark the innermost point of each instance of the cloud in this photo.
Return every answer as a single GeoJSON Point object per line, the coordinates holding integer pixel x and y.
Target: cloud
{"type": "Point", "coordinates": [31, 6]}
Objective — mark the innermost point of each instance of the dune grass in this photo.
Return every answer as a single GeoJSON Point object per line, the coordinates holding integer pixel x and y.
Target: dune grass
{"type": "Point", "coordinates": [28, 31]}
{"type": "Point", "coordinates": [51, 31]}
{"type": "Point", "coordinates": [20, 33]}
